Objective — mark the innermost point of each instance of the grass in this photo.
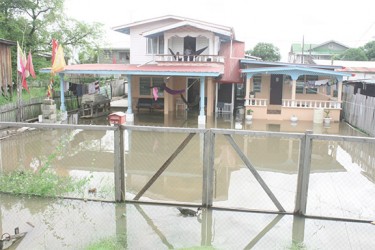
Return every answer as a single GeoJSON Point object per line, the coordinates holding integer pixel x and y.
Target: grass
{"type": "Point", "coordinates": [106, 243]}
{"type": "Point", "coordinates": [44, 181]}
{"type": "Point", "coordinates": [41, 183]}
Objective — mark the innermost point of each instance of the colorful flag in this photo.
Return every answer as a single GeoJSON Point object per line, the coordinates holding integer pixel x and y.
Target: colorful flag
{"type": "Point", "coordinates": [21, 67]}
{"type": "Point", "coordinates": [59, 62]}
{"type": "Point", "coordinates": [21, 60]}
{"type": "Point", "coordinates": [30, 66]}
{"type": "Point", "coordinates": [55, 46]}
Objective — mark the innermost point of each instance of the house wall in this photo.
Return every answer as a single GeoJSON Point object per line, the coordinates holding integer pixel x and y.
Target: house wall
{"type": "Point", "coordinates": [5, 66]}
{"type": "Point", "coordinates": [138, 43]}
{"type": "Point", "coordinates": [173, 39]}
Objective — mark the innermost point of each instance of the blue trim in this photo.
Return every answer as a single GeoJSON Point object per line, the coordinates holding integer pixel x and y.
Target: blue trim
{"type": "Point", "coordinates": [250, 61]}
{"type": "Point", "coordinates": [294, 71]}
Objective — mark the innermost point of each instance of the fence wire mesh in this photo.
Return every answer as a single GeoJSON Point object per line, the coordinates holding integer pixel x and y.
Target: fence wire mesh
{"type": "Point", "coordinates": [341, 186]}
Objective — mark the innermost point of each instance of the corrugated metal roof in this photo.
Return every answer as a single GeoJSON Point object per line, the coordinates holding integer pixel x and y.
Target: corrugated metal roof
{"type": "Point", "coordinates": [357, 69]}
{"type": "Point", "coordinates": [148, 69]}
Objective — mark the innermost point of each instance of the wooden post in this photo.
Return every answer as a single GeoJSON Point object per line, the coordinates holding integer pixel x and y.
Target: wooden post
{"type": "Point", "coordinates": [119, 168]}
{"type": "Point", "coordinates": [208, 168]}
{"type": "Point", "coordinates": [303, 174]}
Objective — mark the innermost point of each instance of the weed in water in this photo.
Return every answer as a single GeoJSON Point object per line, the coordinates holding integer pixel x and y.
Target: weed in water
{"type": "Point", "coordinates": [107, 243]}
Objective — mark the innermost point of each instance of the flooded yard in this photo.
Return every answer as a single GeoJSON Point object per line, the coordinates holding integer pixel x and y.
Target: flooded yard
{"type": "Point", "coordinates": [341, 185]}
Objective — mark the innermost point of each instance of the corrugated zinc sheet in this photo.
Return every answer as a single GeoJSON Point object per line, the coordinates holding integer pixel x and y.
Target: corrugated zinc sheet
{"type": "Point", "coordinates": [5, 66]}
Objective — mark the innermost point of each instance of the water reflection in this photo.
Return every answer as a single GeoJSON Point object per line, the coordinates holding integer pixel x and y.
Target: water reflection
{"type": "Point", "coordinates": [90, 153]}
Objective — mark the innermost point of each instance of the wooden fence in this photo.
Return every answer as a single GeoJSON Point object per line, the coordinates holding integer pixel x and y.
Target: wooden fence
{"type": "Point", "coordinates": [31, 109]}
{"type": "Point", "coordinates": [359, 110]}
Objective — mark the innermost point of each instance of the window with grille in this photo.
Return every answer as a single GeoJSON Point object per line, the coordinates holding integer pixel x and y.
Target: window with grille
{"type": "Point", "coordinates": [147, 83]}
{"type": "Point", "coordinates": [257, 84]}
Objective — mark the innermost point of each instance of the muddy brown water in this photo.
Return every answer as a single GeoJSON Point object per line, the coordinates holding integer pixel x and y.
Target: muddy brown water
{"type": "Point", "coordinates": [341, 185]}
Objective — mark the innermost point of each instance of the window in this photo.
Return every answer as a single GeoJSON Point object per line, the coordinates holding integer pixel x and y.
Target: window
{"type": "Point", "coordinates": [123, 56]}
{"type": "Point", "coordinates": [155, 45]}
{"type": "Point", "coordinates": [257, 84]}
{"type": "Point", "coordinates": [302, 81]}
{"type": "Point", "coordinates": [146, 84]}
{"type": "Point", "coordinates": [300, 86]}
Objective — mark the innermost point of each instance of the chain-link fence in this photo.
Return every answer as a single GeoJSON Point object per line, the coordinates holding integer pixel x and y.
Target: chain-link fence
{"type": "Point", "coordinates": [229, 173]}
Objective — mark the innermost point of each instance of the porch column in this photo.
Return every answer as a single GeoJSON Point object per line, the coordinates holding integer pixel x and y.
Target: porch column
{"type": "Point", "coordinates": [339, 91]}
{"type": "Point", "coordinates": [248, 89]}
{"type": "Point", "coordinates": [210, 97]}
{"type": "Point", "coordinates": [201, 117]}
{"type": "Point", "coordinates": [129, 112]}
{"type": "Point", "coordinates": [294, 86]}
{"type": "Point", "coordinates": [62, 97]}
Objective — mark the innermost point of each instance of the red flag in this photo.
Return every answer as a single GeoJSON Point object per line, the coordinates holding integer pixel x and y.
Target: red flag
{"type": "Point", "coordinates": [55, 46]}
{"type": "Point", "coordinates": [30, 66]}
{"type": "Point", "coordinates": [21, 66]}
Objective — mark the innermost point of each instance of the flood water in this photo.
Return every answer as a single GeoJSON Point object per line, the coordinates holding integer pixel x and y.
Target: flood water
{"type": "Point", "coordinates": [341, 185]}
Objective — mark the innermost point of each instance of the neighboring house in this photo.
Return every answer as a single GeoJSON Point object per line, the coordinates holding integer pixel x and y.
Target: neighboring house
{"type": "Point", "coordinates": [305, 53]}
{"type": "Point", "coordinates": [360, 70]}
{"type": "Point", "coordinates": [114, 55]}
{"type": "Point", "coordinates": [6, 67]}
{"type": "Point", "coordinates": [283, 90]}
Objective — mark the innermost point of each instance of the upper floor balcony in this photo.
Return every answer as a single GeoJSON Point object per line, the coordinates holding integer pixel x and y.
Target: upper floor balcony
{"type": "Point", "coordinates": [188, 58]}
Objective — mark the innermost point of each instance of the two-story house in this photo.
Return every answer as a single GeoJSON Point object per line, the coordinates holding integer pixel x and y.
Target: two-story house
{"type": "Point", "coordinates": [180, 62]}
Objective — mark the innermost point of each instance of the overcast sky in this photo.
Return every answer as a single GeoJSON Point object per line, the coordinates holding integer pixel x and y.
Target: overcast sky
{"type": "Point", "coordinates": [281, 23]}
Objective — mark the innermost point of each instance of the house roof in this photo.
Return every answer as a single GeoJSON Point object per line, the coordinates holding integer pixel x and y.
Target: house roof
{"type": "Point", "coordinates": [126, 28]}
{"type": "Point", "coordinates": [188, 23]}
{"type": "Point", "coordinates": [7, 42]}
{"type": "Point", "coordinates": [294, 71]}
{"type": "Point", "coordinates": [213, 70]}
{"type": "Point", "coordinates": [316, 49]}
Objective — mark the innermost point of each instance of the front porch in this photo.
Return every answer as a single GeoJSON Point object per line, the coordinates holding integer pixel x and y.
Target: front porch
{"type": "Point", "coordinates": [283, 91]}
{"type": "Point", "coordinates": [304, 110]}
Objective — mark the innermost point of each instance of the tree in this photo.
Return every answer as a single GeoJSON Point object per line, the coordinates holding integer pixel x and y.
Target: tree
{"type": "Point", "coordinates": [369, 50]}
{"type": "Point", "coordinates": [266, 51]}
{"type": "Point", "coordinates": [35, 22]}
{"type": "Point", "coordinates": [353, 54]}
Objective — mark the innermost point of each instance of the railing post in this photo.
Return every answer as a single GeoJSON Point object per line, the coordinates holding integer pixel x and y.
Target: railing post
{"type": "Point", "coordinates": [303, 174]}
{"type": "Point", "coordinates": [119, 168]}
{"type": "Point", "coordinates": [208, 168]}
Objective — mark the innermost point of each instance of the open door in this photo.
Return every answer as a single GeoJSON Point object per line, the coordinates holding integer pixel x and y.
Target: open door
{"type": "Point", "coordinates": [276, 91]}
{"type": "Point", "coordinates": [193, 85]}
{"type": "Point", "coordinates": [190, 46]}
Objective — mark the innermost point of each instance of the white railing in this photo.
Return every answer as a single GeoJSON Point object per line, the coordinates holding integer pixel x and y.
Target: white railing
{"type": "Point", "coordinates": [191, 58]}
{"type": "Point", "coordinates": [255, 102]}
{"type": "Point", "coordinates": [311, 104]}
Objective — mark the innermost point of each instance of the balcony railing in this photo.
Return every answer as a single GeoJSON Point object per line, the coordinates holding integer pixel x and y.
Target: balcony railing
{"type": "Point", "coordinates": [255, 102]}
{"type": "Point", "coordinates": [311, 104]}
{"type": "Point", "coordinates": [190, 58]}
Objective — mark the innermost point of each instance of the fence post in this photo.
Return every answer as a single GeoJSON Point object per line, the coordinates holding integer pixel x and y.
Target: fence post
{"type": "Point", "coordinates": [119, 168]}
{"type": "Point", "coordinates": [303, 173]}
{"type": "Point", "coordinates": [208, 168]}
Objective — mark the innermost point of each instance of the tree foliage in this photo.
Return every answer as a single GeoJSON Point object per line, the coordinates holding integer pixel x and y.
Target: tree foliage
{"type": "Point", "coordinates": [266, 51]}
{"type": "Point", "coordinates": [353, 54]}
{"type": "Point", "coordinates": [369, 50]}
{"type": "Point", "coordinates": [33, 23]}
